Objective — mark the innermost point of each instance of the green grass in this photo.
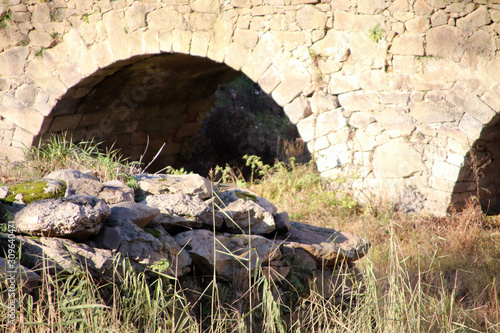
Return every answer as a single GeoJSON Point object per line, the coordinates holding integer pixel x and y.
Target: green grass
{"type": "Point", "coordinates": [60, 152]}
{"type": "Point", "coordinates": [422, 274]}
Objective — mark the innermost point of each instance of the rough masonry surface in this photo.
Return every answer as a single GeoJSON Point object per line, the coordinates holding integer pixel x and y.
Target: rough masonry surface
{"type": "Point", "coordinates": [402, 95]}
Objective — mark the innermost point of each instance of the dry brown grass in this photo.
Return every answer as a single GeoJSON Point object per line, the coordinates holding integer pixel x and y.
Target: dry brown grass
{"type": "Point", "coordinates": [455, 257]}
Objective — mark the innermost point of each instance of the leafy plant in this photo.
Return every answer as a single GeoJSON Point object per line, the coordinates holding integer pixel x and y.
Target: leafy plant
{"type": "Point", "coordinates": [377, 33]}
{"type": "Point", "coordinates": [39, 53]}
{"type": "Point", "coordinates": [4, 18]}
{"type": "Point", "coordinates": [24, 42]}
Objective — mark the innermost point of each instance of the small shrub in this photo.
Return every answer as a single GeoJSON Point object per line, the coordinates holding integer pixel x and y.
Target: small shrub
{"type": "Point", "coordinates": [377, 33]}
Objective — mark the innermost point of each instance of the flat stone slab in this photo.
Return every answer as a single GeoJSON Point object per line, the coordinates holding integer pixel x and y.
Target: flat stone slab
{"type": "Point", "coordinates": [328, 246]}
{"type": "Point", "coordinates": [192, 185]}
{"type": "Point", "coordinates": [65, 256]}
{"type": "Point", "coordinates": [233, 254]}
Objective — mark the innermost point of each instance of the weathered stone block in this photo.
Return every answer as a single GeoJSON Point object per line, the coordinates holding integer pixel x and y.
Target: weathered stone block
{"type": "Point", "coordinates": [118, 40]}
{"type": "Point", "coordinates": [470, 126]}
{"type": "Point", "coordinates": [13, 60]}
{"type": "Point", "coordinates": [41, 13]}
{"type": "Point", "coordinates": [199, 43]}
{"type": "Point", "coordinates": [408, 44]}
{"type": "Point", "coordinates": [428, 112]}
{"type": "Point", "coordinates": [162, 19]}
{"type": "Point", "coordinates": [222, 33]}
{"type": "Point", "coordinates": [366, 52]}
{"type": "Point", "coordinates": [202, 21]}
{"type": "Point", "coordinates": [445, 171]}
{"type": "Point", "coordinates": [446, 42]}
{"type": "Point", "coordinates": [394, 122]}
{"type": "Point", "coordinates": [371, 6]}
{"type": "Point", "coordinates": [465, 100]}
{"type": "Point", "coordinates": [290, 87]}
{"type": "Point", "coordinates": [357, 101]}
{"type": "Point", "coordinates": [419, 24]}
{"type": "Point", "coordinates": [439, 18]}
{"type": "Point", "coordinates": [360, 119]}
{"type": "Point", "coordinates": [309, 17]}
{"type": "Point", "coordinates": [474, 20]}
{"type": "Point", "coordinates": [306, 128]}
{"type": "Point", "coordinates": [422, 8]}
{"type": "Point", "coordinates": [332, 157]}
{"type": "Point", "coordinates": [397, 159]}
{"type": "Point", "coordinates": [399, 6]}
{"type": "Point", "coordinates": [329, 122]}
{"type": "Point", "coordinates": [181, 41]}
{"type": "Point", "coordinates": [340, 83]}
{"type": "Point", "coordinates": [135, 16]}
{"type": "Point", "coordinates": [270, 79]}
{"type": "Point", "coordinates": [45, 79]}
{"type": "Point", "coordinates": [262, 56]}
{"type": "Point", "coordinates": [247, 38]}
{"type": "Point", "coordinates": [205, 6]}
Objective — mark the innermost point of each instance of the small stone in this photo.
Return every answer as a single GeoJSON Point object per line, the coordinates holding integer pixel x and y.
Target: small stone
{"type": "Point", "coordinates": [115, 191]}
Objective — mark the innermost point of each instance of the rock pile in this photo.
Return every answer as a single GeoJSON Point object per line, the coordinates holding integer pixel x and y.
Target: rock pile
{"type": "Point", "coordinates": [186, 220]}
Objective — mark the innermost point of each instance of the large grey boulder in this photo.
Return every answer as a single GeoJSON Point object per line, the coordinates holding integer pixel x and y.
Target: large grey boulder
{"type": "Point", "coordinates": [180, 212]}
{"type": "Point", "coordinates": [232, 256]}
{"type": "Point", "coordinates": [144, 247]}
{"type": "Point", "coordinates": [192, 185]}
{"type": "Point", "coordinates": [329, 247]}
{"type": "Point", "coordinates": [76, 217]}
{"type": "Point", "coordinates": [140, 215]}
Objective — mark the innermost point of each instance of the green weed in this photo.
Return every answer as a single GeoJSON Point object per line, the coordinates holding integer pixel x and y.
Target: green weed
{"type": "Point", "coordinates": [4, 18]}
{"type": "Point", "coordinates": [377, 33]}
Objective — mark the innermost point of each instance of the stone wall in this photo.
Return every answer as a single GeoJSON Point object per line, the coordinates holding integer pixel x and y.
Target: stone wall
{"type": "Point", "coordinates": [399, 94]}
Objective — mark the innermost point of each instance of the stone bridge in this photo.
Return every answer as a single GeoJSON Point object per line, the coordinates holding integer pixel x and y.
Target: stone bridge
{"type": "Point", "coordinates": [401, 95]}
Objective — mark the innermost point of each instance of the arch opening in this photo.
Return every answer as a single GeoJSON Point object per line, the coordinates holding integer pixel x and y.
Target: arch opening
{"type": "Point", "coordinates": [245, 121]}
{"type": "Point", "coordinates": [163, 97]}
{"type": "Point", "coordinates": [147, 102]}
{"type": "Point", "coordinates": [480, 175]}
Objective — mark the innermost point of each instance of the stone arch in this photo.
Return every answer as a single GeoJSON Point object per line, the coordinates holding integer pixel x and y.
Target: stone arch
{"type": "Point", "coordinates": [74, 77]}
{"type": "Point", "coordinates": [359, 78]}
{"type": "Point", "coordinates": [479, 177]}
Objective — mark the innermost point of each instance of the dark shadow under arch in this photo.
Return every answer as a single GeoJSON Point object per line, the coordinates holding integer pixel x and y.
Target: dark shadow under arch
{"type": "Point", "coordinates": [150, 100]}
{"type": "Point", "coordinates": [480, 176]}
